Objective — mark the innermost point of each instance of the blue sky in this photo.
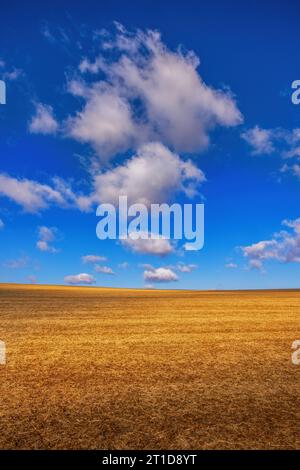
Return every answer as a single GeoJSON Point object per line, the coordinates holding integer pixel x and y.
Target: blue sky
{"type": "Point", "coordinates": [92, 94]}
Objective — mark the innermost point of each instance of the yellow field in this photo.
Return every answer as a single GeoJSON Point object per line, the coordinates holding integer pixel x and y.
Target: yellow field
{"type": "Point", "coordinates": [136, 369]}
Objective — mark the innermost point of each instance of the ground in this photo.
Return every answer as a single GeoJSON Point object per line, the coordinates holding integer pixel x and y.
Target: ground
{"type": "Point", "coordinates": [92, 368]}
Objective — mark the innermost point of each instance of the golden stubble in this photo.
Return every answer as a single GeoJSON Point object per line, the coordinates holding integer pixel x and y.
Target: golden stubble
{"type": "Point", "coordinates": [92, 368]}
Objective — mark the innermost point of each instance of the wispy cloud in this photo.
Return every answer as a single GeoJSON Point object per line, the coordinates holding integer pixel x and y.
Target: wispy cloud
{"type": "Point", "coordinates": [231, 265]}
{"type": "Point", "coordinates": [266, 141]}
{"type": "Point", "coordinates": [18, 263]}
{"type": "Point", "coordinates": [33, 196]}
{"type": "Point", "coordinates": [93, 259]}
{"type": "Point", "coordinates": [103, 269]}
{"type": "Point", "coordinates": [123, 265]}
{"type": "Point", "coordinates": [46, 235]}
{"type": "Point", "coordinates": [283, 246]}
{"type": "Point", "coordinates": [186, 268]}
{"type": "Point", "coordinates": [43, 121]}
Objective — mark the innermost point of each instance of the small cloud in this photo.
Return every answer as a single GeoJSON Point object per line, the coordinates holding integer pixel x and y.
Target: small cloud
{"type": "Point", "coordinates": [43, 122]}
{"type": "Point", "coordinates": [231, 265]}
{"type": "Point", "coordinates": [33, 196]}
{"type": "Point", "coordinates": [46, 236]}
{"type": "Point", "coordinates": [103, 269]}
{"type": "Point", "coordinates": [186, 268]}
{"type": "Point", "coordinates": [124, 265]}
{"type": "Point", "coordinates": [32, 279]}
{"type": "Point", "coordinates": [2, 225]}
{"type": "Point", "coordinates": [147, 266]}
{"type": "Point", "coordinates": [261, 140]}
{"type": "Point", "coordinates": [283, 246]}
{"type": "Point", "coordinates": [160, 275]}
{"type": "Point", "coordinates": [13, 74]}
{"type": "Point", "coordinates": [93, 259]}
{"type": "Point", "coordinates": [18, 263]}
{"type": "Point", "coordinates": [82, 278]}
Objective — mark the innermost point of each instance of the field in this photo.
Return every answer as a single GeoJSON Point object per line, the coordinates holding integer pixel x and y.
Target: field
{"type": "Point", "coordinates": [142, 369]}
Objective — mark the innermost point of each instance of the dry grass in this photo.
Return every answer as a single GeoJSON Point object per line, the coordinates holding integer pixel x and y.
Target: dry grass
{"type": "Point", "coordinates": [129, 369]}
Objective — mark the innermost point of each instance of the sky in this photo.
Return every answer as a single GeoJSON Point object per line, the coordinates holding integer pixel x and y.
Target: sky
{"type": "Point", "coordinates": [187, 102]}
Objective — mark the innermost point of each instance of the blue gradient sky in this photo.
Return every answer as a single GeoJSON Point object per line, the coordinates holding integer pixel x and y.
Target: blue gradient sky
{"type": "Point", "coordinates": [252, 50]}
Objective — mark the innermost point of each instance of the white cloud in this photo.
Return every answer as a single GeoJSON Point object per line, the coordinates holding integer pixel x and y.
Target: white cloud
{"type": "Point", "coordinates": [284, 246]}
{"type": "Point", "coordinates": [231, 265]}
{"type": "Point", "coordinates": [8, 73]}
{"type": "Point", "coordinates": [146, 266]}
{"type": "Point", "coordinates": [46, 236]}
{"type": "Point", "coordinates": [261, 140]}
{"type": "Point", "coordinates": [265, 141]}
{"type": "Point", "coordinates": [293, 169]}
{"type": "Point", "coordinates": [33, 196]}
{"type": "Point", "coordinates": [153, 175]}
{"type": "Point", "coordinates": [93, 259]}
{"type": "Point", "coordinates": [186, 268]}
{"type": "Point", "coordinates": [2, 225]}
{"type": "Point", "coordinates": [43, 122]}
{"type": "Point", "coordinates": [105, 122]}
{"type": "Point", "coordinates": [160, 275]}
{"type": "Point", "coordinates": [103, 269]}
{"type": "Point", "coordinates": [82, 278]}
{"type": "Point", "coordinates": [150, 246]}
{"type": "Point", "coordinates": [175, 106]}
{"type": "Point", "coordinates": [124, 265]}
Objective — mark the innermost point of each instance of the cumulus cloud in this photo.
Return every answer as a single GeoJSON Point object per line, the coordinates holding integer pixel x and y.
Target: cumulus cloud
{"type": "Point", "coordinates": [105, 122]}
{"type": "Point", "coordinates": [283, 246]}
{"type": "Point", "coordinates": [43, 122]}
{"type": "Point", "coordinates": [143, 243]}
{"type": "Point", "coordinates": [160, 275]}
{"type": "Point", "coordinates": [46, 236]}
{"type": "Point", "coordinates": [153, 175]}
{"type": "Point", "coordinates": [103, 269]}
{"type": "Point", "coordinates": [93, 259]}
{"type": "Point", "coordinates": [148, 93]}
{"type": "Point", "coordinates": [82, 278]}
